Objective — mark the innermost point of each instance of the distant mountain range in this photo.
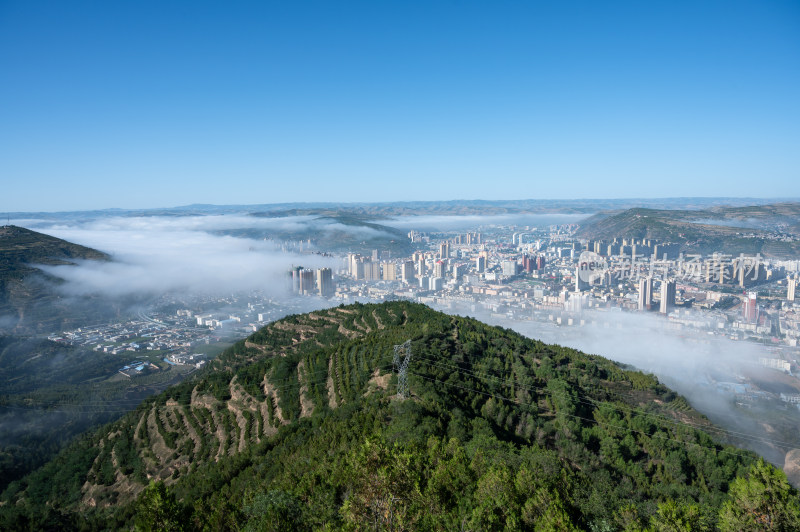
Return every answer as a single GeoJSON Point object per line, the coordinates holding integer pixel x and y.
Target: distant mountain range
{"type": "Point", "coordinates": [400, 208]}
{"type": "Point", "coordinates": [300, 426]}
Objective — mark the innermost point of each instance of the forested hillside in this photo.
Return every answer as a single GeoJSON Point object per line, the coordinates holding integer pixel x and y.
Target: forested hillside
{"type": "Point", "coordinates": [300, 427]}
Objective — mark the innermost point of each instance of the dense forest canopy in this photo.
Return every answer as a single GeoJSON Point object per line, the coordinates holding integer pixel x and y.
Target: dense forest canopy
{"type": "Point", "coordinates": [300, 427]}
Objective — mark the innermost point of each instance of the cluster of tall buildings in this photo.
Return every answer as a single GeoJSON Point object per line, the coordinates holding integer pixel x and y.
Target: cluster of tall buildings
{"type": "Point", "coordinates": [366, 269]}
{"type": "Point", "coordinates": [646, 299]}
{"type": "Point", "coordinates": [633, 247]}
{"type": "Point", "coordinates": [716, 268]}
{"type": "Point", "coordinates": [432, 270]}
{"type": "Point", "coordinates": [743, 271]}
{"type": "Point", "coordinates": [531, 263]}
{"type": "Point", "coordinates": [466, 238]}
{"type": "Point", "coordinates": [469, 238]}
{"type": "Point", "coordinates": [451, 265]}
{"type": "Point", "coordinates": [305, 281]}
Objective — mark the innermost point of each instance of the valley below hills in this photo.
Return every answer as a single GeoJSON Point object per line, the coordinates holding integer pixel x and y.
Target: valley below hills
{"type": "Point", "coordinates": [301, 426]}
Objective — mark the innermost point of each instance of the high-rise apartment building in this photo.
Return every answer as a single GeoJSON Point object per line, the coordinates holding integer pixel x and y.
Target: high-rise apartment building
{"type": "Point", "coordinates": [352, 260]}
{"type": "Point", "coordinates": [306, 281]}
{"type": "Point", "coordinates": [325, 286]}
{"type": "Point", "coordinates": [390, 271]}
{"type": "Point", "coordinates": [750, 307]}
{"type": "Point", "coordinates": [667, 296]}
{"type": "Point", "coordinates": [528, 263]}
{"type": "Point", "coordinates": [474, 238]}
{"type": "Point", "coordinates": [439, 269]}
{"type": "Point", "coordinates": [580, 284]}
{"type": "Point", "coordinates": [293, 284]}
{"type": "Point", "coordinates": [509, 268]}
{"type": "Point", "coordinates": [421, 269]}
{"type": "Point", "coordinates": [407, 271]}
{"type": "Point", "coordinates": [458, 271]}
{"type": "Point", "coordinates": [645, 293]}
{"type": "Point", "coordinates": [372, 271]}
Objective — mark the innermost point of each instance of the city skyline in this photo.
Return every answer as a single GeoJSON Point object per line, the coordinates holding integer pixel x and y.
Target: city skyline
{"type": "Point", "coordinates": [146, 105]}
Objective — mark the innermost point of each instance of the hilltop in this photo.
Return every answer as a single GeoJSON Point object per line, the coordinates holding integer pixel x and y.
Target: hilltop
{"type": "Point", "coordinates": [771, 230]}
{"type": "Point", "coordinates": [20, 247]}
{"type": "Point", "coordinates": [26, 292]}
{"type": "Point", "coordinates": [300, 426]}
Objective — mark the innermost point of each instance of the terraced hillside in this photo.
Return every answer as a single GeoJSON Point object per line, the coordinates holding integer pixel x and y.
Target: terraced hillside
{"type": "Point", "coordinates": [301, 424]}
{"type": "Point", "coordinates": [258, 385]}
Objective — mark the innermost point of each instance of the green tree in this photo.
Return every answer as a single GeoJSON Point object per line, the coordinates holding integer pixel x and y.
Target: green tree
{"type": "Point", "coordinates": [384, 487]}
{"type": "Point", "coordinates": [676, 517]}
{"type": "Point", "coordinates": [157, 510]}
{"type": "Point", "coordinates": [274, 511]}
{"type": "Point", "coordinates": [497, 502]}
{"type": "Point", "coordinates": [762, 501]}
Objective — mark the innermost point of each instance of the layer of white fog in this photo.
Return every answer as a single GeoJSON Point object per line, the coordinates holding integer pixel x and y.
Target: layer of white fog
{"type": "Point", "coordinates": [749, 223]}
{"type": "Point", "coordinates": [155, 255]}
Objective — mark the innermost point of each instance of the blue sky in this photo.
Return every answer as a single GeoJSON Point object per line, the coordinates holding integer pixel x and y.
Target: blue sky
{"type": "Point", "coordinates": [152, 104]}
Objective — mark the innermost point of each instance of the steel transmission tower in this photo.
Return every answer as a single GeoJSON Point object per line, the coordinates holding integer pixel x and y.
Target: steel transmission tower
{"type": "Point", "coordinates": [402, 356]}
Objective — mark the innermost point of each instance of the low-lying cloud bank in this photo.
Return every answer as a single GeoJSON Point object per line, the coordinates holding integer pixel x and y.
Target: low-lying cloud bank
{"type": "Point", "coordinates": [156, 255]}
{"type": "Point", "coordinates": [208, 223]}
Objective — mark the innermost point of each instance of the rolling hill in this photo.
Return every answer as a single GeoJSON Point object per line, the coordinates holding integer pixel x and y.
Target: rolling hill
{"type": "Point", "coordinates": [331, 230]}
{"type": "Point", "coordinates": [300, 426]}
{"type": "Point", "coordinates": [27, 298]}
{"type": "Point", "coordinates": [771, 230]}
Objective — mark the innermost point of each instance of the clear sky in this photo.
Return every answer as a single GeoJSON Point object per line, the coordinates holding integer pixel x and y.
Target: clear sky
{"type": "Point", "coordinates": [137, 104]}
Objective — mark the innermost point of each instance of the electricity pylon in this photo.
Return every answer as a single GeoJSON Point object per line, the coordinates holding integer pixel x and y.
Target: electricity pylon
{"type": "Point", "coordinates": [402, 356]}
